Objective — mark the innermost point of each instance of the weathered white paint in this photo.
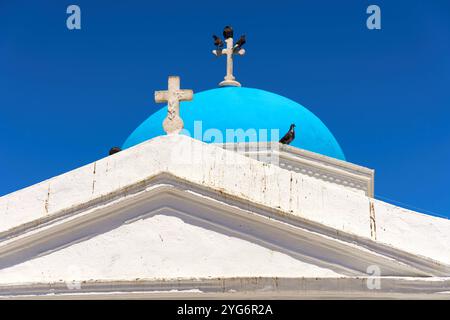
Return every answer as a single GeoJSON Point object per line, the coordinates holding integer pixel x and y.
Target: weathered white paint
{"type": "Point", "coordinates": [342, 173]}
{"type": "Point", "coordinates": [238, 288]}
{"type": "Point", "coordinates": [293, 225]}
{"type": "Point", "coordinates": [161, 246]}
{"type": "Point", "coordinates": [265, 229]}
{"type": "Point", "coordinates": [412, 231]}
{"type": "Point", "coordinates": [233, 174]}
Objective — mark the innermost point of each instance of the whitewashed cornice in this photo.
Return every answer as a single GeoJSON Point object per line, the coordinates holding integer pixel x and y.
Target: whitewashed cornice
{"type": "Point", "coordinates": [237, 288]}
{"type": "Point", "coordinates": [342, 173]}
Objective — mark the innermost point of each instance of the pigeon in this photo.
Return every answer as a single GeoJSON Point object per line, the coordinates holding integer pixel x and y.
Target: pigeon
{"type": "Point", "coordinates": [289, 136]}
{"type": "Point", "coordinates": [114, 150]}
{"type": "Point", "coordinates": [218, 42]}
{"type": "Point", "coordinates": [240, 42]}
{"type": "Point", "coordinates": [228, 32]}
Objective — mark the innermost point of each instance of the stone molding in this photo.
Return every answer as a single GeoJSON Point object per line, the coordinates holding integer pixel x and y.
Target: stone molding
{"type": "Point", "coordinates": [348, 175]}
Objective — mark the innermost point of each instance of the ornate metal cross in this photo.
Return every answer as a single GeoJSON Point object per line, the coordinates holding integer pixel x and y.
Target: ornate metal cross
{"type": "Point", "coordinates": [173, 123]}
{"type": "Point", "coordinates": [230, 51]}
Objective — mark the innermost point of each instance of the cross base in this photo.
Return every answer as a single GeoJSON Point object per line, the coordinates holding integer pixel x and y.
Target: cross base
{"type": "Point", "coordinates": [229, 83]}
{"type": "Point", "coordinates": [173, 126]}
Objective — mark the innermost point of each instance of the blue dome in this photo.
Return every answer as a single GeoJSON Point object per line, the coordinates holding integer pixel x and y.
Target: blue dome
{"type": "Point", "coordinates": [244, 108]}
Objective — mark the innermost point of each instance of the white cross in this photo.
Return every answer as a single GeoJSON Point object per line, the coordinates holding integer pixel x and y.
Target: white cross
{"type": "Point", "coordinates": [173, 122]}
{"type": "Point", "coordinates": [230, 80]}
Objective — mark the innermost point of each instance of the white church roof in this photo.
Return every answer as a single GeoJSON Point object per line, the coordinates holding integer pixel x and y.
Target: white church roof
{"type": "Point", "coordinates": [174, 216]}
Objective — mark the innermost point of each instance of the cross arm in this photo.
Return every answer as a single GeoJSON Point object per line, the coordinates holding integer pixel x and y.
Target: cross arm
{"type": "Point", "coordinates": [161, 96]}
{"type": "Point", "coordinates": [186, 95]}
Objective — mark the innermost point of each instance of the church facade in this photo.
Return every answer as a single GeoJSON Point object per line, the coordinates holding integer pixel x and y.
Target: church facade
{"type": "Point", "coordinates": [178, 214]}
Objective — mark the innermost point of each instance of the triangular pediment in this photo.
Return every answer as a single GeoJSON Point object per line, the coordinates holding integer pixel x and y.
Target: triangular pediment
{"type": "Point", "coordinates": [167, 231]}
{"type": "Point", "coordinates": [163, 244]}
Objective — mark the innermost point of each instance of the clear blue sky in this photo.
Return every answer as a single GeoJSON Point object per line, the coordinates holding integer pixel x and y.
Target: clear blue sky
{"type": "Point", "coordinates": [67, 96]}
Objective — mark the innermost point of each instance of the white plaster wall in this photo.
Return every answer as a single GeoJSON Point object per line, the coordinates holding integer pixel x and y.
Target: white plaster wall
{"type": "Point", "coordinates": [71, 188]}
{"type": "Point", "coordinates": [160, 246]}
{"type": "Point", "coordinates": [413, 232]}
{"type": "Point", "coordinates": [23, 206]}
{"type": "Point", "coordinates": [235, 175]}
{"type": "Point", "coordinates": [204, 164]}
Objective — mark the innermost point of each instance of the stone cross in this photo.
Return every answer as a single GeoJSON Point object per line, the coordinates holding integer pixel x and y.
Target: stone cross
{"type": "Point", "coordinates": [173, 123]}
{"type": "Point", "coordinates": [230, 80]}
